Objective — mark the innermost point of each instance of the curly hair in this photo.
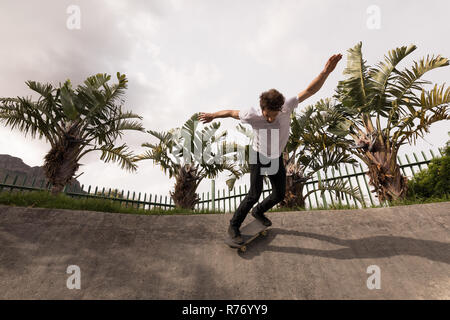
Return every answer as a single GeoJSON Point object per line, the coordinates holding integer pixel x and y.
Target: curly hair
{"type": "Point", "coordinates": [271, 100]}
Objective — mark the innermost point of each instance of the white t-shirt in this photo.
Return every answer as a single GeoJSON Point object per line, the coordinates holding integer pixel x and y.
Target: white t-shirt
{"type": "Point", "coordinates": [263, 131]}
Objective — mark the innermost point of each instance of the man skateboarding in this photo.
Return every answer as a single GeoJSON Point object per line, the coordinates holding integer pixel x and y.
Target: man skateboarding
{"type": "Point", "coordinates": [271, 124]}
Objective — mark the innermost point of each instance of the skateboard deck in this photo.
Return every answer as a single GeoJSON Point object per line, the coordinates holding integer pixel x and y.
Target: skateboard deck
{"type": "Point", "coordinates": [249, 232]}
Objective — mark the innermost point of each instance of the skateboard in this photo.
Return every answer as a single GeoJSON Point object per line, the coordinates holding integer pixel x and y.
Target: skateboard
{"type": "Point", "coordinates": [249, 232]}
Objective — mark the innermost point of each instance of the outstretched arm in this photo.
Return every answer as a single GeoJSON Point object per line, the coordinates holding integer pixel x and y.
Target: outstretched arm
{"type": "Point", "coordinates": [208, 117]}
{"type": "Point", "coordinates": [317, 83]}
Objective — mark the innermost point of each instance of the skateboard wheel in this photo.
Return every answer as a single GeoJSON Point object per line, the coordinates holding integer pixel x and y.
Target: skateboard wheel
{"type": "Point", "coordinates": [264, 233]}
{"type": "Point", "coordinates": [243, 249]}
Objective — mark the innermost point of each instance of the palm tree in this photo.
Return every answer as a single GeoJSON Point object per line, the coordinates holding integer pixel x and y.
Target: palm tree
{"type": "Point", "coordinates": [180, 152]}
{"type": "Point", "coordinates": [71, 120]}
{"type": "Point", "coordinates": [309, 150]}
{"type": "Point", "coordinates": [385, 92]}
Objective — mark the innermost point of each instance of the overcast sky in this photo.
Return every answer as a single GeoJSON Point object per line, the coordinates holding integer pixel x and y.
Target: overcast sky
{"type": "Point", "coordinates": [182, 57]}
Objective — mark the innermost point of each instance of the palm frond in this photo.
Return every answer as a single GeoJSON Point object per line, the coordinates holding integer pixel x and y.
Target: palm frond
{"type": "Point", "coordinates": [130, 125]}
{"type": "Point", "coordinates": [118, 154]}
{"type": "Point", "coordinates": [67, 101]}
{"type": "Point", "coordinates": [339, 188]}
{"type": "Point", "coordinates": [354, 91]}
{"type": "Point", "coordinates": [434, 107]}
{"type": "Point", "coordinates": [24, 114]}
{"type": "Point", "coordinates": [162, 136]}
{"type": "Point", "coordinates": [45, 90]}
{"type": "Point", "coordinates": [382, 75]}
{"type": "Point", "coordinates": [408, 80]}
{"type": "Point", "coordinates": [115, 93]}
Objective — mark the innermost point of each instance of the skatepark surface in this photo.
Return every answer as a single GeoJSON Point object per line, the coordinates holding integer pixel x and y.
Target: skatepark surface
{"type": "Point", "coordinates": [306, 255]}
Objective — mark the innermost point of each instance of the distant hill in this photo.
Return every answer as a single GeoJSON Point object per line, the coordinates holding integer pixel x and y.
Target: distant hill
{"type": "Point", "coordinates": [13, 166]}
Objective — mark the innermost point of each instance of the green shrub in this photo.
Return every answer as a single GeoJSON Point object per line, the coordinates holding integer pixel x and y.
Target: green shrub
{"type": "Point", "coordinates": [433, 181]}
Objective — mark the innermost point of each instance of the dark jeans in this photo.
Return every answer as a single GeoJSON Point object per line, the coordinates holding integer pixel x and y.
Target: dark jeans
{"type": "Point", "coordinates": [278, 181]}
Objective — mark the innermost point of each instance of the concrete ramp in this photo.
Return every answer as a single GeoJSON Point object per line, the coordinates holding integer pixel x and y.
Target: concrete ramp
{"type": "Point", "coordinates": [306, 255]}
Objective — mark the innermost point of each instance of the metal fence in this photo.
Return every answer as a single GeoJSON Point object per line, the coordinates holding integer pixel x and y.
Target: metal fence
{"type": "Point", "coordinates": [355, 175]}
{"type": "Point", "coordinates": [228, 200]}
{"type": "Point", "coordinates": [133, 200]}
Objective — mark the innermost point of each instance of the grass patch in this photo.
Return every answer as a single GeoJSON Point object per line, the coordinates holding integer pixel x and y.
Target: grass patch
{"type": "Point", "coordinates": [419, 200]}
{"type": "Point", "coordinates": [404, 202]}
{"type": "Point", "coordinates": [44, 199]}
{"type": "Point", "coordinates": [330, 207]}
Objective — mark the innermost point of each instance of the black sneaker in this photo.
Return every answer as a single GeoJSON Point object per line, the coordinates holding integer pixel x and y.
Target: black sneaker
{"type": "Point", "coordinates": [235, 235]}
{"type": "Point", "coordinates": [262, 218]}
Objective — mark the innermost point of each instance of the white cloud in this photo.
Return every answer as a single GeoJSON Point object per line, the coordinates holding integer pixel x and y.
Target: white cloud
{"type": "Point", "coordinates": [183, 57]}
{"type": "Point", "coordinates": [275, 43]}
{"type": "Point", "coordinates": [179, 84]}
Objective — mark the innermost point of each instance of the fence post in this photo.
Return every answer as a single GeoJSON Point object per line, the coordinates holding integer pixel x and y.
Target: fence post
{"type": "Point", "coordinates": [309, 200]}
{"type": "Point", "coordinates": [367, 185]}
{"type": "Point", "coordinates": [409, 163]}
{"type": "Point", "coordinates": [423, 155]}
{"type": "Point", "coordinates": [417, 160]}
{"type": "Point", "coordinates": [4, 182]}
{"type": "Point", "coordinates": [218, 201]}
{"type": "Point", "coordinates": [213, 194]}
{"type": "Point", "coordinates": [328, 183]}
{"type": "Point", "coordinates": [14, 184]}
{"type": "Point", "coordinates": [350, 181]}
{"type": "Point", "coordinates": [229, 199]}
{"type": "Point", "coordinates": [139, 200]}
{"type": "Point", "coordinates": [203, 201]}
{"type": "Point", "coordinates": [145, 198]}
{"type": "Point", "coordinates": [359, 187]}
{"type": "Point", "coordinates": [401, 165]}
{"type": "Point", "coordinates": [234, 198]}
{"type": "Point", "coordinates": [322, 192]}
{"type": "Point", "coordinates": [128, 197]}
{"type": "Point", "coordinates": [345, 194]}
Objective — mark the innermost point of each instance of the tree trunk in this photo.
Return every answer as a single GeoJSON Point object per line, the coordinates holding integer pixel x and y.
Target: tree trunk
{"type": "Point", "coordinates": [61, 163]}
{"type": "Point", "coordinates": [184, 195]}
{"type": "Point", "coordinates": [384, 172]}
{"type": "Point", "coordinates": [388, 182]}
{"type": "Point", "coordinates": [295, 181]}
{"type": "Point", "coordinates": [294, 194]}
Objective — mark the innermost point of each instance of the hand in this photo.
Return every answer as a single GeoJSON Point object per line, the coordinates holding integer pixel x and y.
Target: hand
{"type": "Point", "coordinates": [332, 62]}
{"type": "Point", "coordinates": [205, 117]}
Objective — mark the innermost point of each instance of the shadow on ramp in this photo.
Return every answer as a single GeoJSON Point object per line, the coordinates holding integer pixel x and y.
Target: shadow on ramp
{"type": "Point", "coordinates": [370, 247]}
